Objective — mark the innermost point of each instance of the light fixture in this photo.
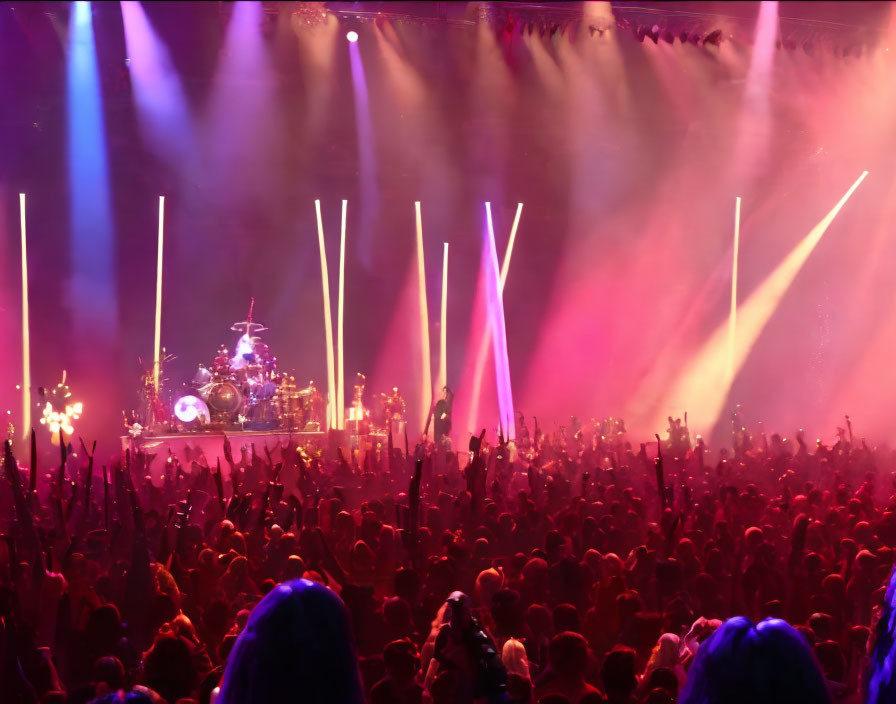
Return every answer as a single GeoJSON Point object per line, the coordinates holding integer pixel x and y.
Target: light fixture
{"type": "Point", "coordinates": [352, 36]}
{"type": "Point", "coordinates": [189, 408]}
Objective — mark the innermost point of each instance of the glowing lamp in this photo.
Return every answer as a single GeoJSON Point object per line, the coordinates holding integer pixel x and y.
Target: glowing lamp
{"type": "Point", "coordinates": [189, 408]}
{"type": "Point", "coordinates": [352, 36]}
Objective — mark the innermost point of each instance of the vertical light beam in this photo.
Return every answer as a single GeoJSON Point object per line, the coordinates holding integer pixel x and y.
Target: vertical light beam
{"type": "Point", "coordinates": [26, 331]}
{"type": "Point", "coordinates": [340, 378]}
{"type": "Point", "coordinates": [732, 316]}
{"type": "Point", "coordinates": [505, 265]}
{"type": "Point", "coordinates": [157, 340]}
{"type": "Point", "coordinates": [498, 330]}
{"type": "Point", "coordinates": [442, 380]}
{"type": "Point", "coordinates": [425, 359]}
{"type": "Point", "coordinates": [328, 320]}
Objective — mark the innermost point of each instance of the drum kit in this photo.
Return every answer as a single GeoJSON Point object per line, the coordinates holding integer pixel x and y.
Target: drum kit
{"type": "Point", "coordinates": [389, 413]}
{"type": "Point", "coordinates": [246, 389]}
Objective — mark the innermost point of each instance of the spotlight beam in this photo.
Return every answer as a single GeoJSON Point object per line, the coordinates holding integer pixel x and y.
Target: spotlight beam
{"type": "Point", "coordinates": [328, 320]}
{"type": "Point", "coordinates": [499, 332]}
{"type": "Point", "coordinates": [485, 340]}
{"type": "Point", "coordinates": [697, 388]}
{"type": "Point", "coordinates": [26, 329]}
{"type": "Point", "coordinates": [92, 283]}
{"type": "Point", "coordinates": [366, 156]}
{"type": "Point", "coordinates": [426, 361]}
{"type": "Point", "coordinates": [161, 109]}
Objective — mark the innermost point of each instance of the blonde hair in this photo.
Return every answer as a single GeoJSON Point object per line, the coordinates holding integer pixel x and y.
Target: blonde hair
{"type": "Point", "coordinates": [513, 655]}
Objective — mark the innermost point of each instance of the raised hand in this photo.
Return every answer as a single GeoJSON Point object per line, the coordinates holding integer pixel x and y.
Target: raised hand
{"type": "Point", "coordinates": [88, 455]}
{"type": "Point", "coordinates": [10, 470]}
{"type": "Point", "coordinates": [136, 512]}
{"type": "Point", "coordinates": [106, 497]}
{"type": "Point", "coordinates": [219, 485]}
{"type": "Point", "coordinates": [32, 470]}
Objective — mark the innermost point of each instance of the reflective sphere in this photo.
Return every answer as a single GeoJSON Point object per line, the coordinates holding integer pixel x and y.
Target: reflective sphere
{"type": "Point", "coordinates": [224, 397]}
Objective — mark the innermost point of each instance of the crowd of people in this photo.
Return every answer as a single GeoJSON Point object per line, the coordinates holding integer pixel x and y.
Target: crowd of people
{"type": "Point", "coordinates": [573, 568]}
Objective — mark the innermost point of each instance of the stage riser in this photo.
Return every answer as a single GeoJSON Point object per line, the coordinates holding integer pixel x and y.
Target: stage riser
{"type": "Point", "coordinates": [212, 446]}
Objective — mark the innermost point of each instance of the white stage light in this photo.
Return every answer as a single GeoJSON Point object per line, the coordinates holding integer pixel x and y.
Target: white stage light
{"type": "Point", "coordinates": [189, 408]}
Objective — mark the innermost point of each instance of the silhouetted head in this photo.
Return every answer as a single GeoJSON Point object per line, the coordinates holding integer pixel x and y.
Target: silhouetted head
{"type": "Point", "coordinates": [108, 669]}
{"type": "Point", "coordinates": [566, 618]}
{"type": "Point", "coordinates": [461, 611]}
{"type": "Point", "coordinates": [104, 629]}
{"type": "Point", "coordinates": [295, 647]}
{"type": "Point", "coordinates": [881, 684]}
{"type": "Point", "coordinates": [401, 660]}
{"type": "Point", "coordinates": [568, 655]}
{"type": "Point", "coordinates": [168, 668]}
{"type": "Point", "coordinates": [618, 672]}
{"type": "Point", "coordinates": [742, 663]}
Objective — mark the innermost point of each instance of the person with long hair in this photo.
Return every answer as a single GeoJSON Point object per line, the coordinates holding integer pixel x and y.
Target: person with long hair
{"type": "Point", "coordinates": [665, 654]}
{"type": "Point", "coordinates": [296, 647]}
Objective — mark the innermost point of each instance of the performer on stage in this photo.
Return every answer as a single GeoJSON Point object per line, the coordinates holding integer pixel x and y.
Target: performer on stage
{"type": "Point", "coordinates": [358, 399]}
{"type": "Point", "coordinates": [358, 415]}
{"type": "Point", "coordinates": [442, 416]}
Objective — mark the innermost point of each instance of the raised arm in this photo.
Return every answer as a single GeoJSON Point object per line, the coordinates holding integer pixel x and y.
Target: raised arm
{"type": "Point", "coordinates": [23, 510]}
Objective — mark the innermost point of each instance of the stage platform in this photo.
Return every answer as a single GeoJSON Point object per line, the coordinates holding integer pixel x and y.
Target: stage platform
{"type": "Point", "coordinates": [212, 443]}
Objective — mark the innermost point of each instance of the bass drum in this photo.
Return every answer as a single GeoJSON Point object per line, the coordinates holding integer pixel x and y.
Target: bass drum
{"type": "Point", "coordinates": [224, 397]}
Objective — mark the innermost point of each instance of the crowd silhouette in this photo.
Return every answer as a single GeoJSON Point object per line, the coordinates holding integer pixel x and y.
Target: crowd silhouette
{"type": "Point", "coordinates": [569, 568]}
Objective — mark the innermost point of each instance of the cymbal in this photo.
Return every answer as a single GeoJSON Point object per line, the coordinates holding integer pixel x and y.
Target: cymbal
{"type": "Point", "coordinates": [249, 328]}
